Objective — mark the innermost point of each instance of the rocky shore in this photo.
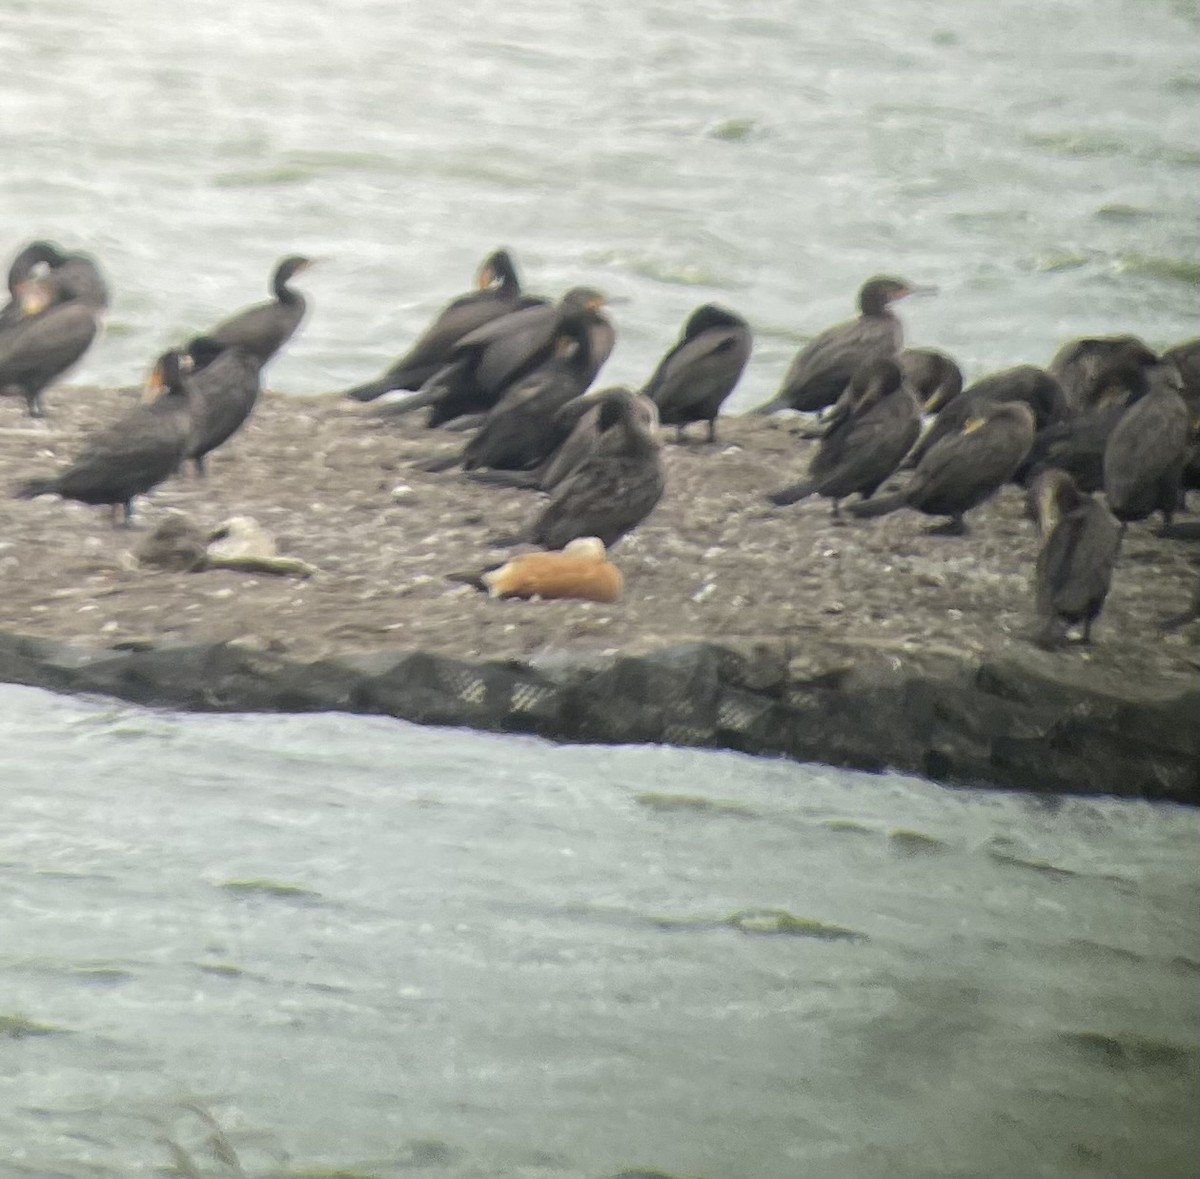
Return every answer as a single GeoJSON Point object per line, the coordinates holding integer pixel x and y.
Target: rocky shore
{"type": "Point", "coordinates": [773, 631]}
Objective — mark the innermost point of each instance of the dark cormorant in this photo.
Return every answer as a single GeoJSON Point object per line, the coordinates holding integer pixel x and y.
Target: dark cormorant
{"type": "Point", "coordinates": [224, 387]}
{"type": "Point", "coordinates": [498, 291]}
{"type": "Point", "coordinates": [824, 366]}
{"type": "Point", "coordinates": [934, 377]}
{"type": "Point", "coordinates": [131, 456]}
{"type": "Point", "coordinates": [1025, 382]}
{"type": "Point", "coordinates": [614, 489]}
{"type": "Point", "coordinates": [1146, 452]}
{"type": "Point", "coordinates": [583, 417]}
{"type": "Point", "coordinates": [1076, 444]}
{"type": "Point", "coordinates": [485, 363]}
{"type": "Point", "coordinates": [1080, 541]}
{"type": "Point", "coordinates": [29, 261]}
{"type": "Point", "coordinates": [1078, 363]}
{"type": "Point", "coordinates": [963, 469]}
{"type": "Point", "coordinates": [523, 429]}
{"type": "Point", "coordinates": [865, 442]}
{"type": "Point", "coordinates": [40, 347]}
{"type": "Point", "coordinates": [264, 328]}
{"type": "Point", "coordinates": [701, 369]}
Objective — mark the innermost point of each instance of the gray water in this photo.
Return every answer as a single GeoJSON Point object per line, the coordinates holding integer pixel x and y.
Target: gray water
{"type": "Point", "coordinates": [354, 943]}
{"type": "Point", "coordinates": [359, 943]}
{"type": "Point", "coordinates": [1037, 159]}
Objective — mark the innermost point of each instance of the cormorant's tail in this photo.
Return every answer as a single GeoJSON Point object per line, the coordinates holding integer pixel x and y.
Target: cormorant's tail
{"type": "Point", "coordinates": [793, 494]}
{"type": "Point", "coordinates": [527, 480]}
{"type": "Point", "coordinates": [419, 400]}
{"type": "Point", "coordinates": [370, 391]}
{"type": "Point", "coordinates": [442, 463]}
{"type": "Point", "coordinates": [773, 406]}
{"type": "Point", "coordinates": [35, 487]}
{"type": "Point", "coordinates": [879, 506]}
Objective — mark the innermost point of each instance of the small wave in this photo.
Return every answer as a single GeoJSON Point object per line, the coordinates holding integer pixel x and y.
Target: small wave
{"type": "Point", "coordinates": [696, 803]}
{"type": "Point", "coordinates": [277, 889]}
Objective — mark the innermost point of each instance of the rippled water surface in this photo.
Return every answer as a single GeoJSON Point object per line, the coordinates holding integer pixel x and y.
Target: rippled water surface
{"type": "Point", "coordinates": [359, 944]}
{"type": "Point", "coordinates": [1039, 161]}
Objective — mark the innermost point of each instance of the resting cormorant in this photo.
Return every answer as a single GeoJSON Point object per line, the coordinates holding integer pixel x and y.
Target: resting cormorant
{"type": "Point", "coordinates": [614, 489]}
{"type": "Point", "coordinates": [1078, 363]}
{"type": "Point", "coordinates": [865, 444]}
{"type": "Point", "coordinates": [485, 363]}
{"type": "Point", "coordinates": [824, 366]}
{"type": "Point", "coordinates": [131, 456]}
{"type": "Point", "coordinates": [40, 347]}
{"type": "Point", "coordinates": [1080, 542]}
{"type": "Point", "coordinates": [583, 417]}
{"type": "Point", "coordinates": [1146, 452]}
{"type": "Point", "coordinates": [264, 328]}
{"type": "Point", "coordinates": [701, 369]}
{"type": "Point", "coordinates": [1076, 444]}
{"type": "Point", "coordinates": [1025, 382]}
{"type": "Point", "coordinates": [224, 387]}
{"type": "Point", "coordinates": [498, 291]}
{"type": "Point", "coordinates": [523, 429]}
{"type": "Point", "coordinates": [963, 469]}
{"type": "Point", "coordinates": [32, 258]}
{"type": "Point", "coordinates": [934, 377]}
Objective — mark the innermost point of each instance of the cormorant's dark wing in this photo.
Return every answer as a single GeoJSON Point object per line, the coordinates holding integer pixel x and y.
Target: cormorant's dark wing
{"type": "Point", "coordinates": [823, 368]}
{"type": "Point", "coordinates": [224, 394]}
{"type": "Point", "coordinates": [699, 368]}
{"type": "Point", "coordinates": [262, 329]}
{"type": "Point", "coordinates": [47, 343]}
{"type": "Point", "coordinates": [1075, 565]}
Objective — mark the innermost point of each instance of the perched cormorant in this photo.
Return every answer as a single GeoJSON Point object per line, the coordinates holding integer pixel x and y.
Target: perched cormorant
{"type": "Point", "coordinates": [487, 362]}
{"type": "Point", "coordinates": [131, 456]}
{"type": "Point", "coordinates": [701, 369]}
{"type": "Point", "coordinates": [824, 366]}
{"type": "Point", "coordinates": [38, 348]}
{"type": "Point", "coordinates": [1146, 452]}
{"type": "Point", "coordinates": [614, 489]}
{"type": "Point", "coordinates": [1080, 541]}
{"type": "Point", "coordinates": [963, 469]}
{"type": "Point", "coordinates": [1025, 382]}
{"type": "Point", "coordinates": [865, 444]}
{"type": "Point", "coordinates": [29, 261]}
{"type": "Point", "coordinates": [264, 328]}
{"type": "Point", "coordinates": [224, 387]}
{"type": "Point", "coordinates": [583, 417]}
{"type": "Point", "coordinates": [523, 429]}
{"type": "Point", "coordinates": [498, 291]}
{"type": "Point", "coordinates": [1076, 444]}
{"type": "Point", "coordinates": [934, 377]}
{"type": "Point", "coordinates": [1078, 363]}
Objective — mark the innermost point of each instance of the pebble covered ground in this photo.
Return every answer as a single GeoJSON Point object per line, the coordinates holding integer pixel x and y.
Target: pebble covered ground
{"type": "Point", "coordinates": [338, 487]}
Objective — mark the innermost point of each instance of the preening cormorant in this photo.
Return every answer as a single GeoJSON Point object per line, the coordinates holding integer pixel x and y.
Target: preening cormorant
{"type": "Point", "coordinates": [31, 259]}
{"type": "Point", "coordinates": [963, 469]}
{"type": "Point", "coordinates": [1080, 541]}
{"type": "Point", "coordinates": [264, 328]}
{"type": "Point", "coordinates": [614, 489]}
{"type": "Point", "coordinates": [866, 440]}
{"type": "Point", "coordinates": [701, 369]}
{"type": "Point", "coordinates": [1078, 363]}
{"type": "Point", "coordinates": [824, 366]}
{"type": "Point", "coordinates": [131, 456]}
{"type": "Point", "coordinates": [224, 385]}
{"type": "Point", "coordinates": [1025, 382]}
{"type": "Point", "coordinates": [934, 377]}
{"type": "Point", "coordinates": [1146, 452]}
{"type": "Point", "coordinates": [523, 429]}
{"type": "Point", "coordinates": [498, 291]}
